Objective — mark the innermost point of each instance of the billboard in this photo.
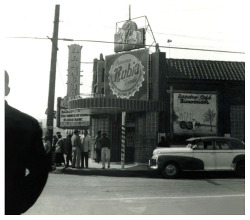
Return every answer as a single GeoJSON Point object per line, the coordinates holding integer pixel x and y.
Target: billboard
{"type": "Point", "coordinates": [129, 37]}
{"type": "Point", "coordinates": [74, 65]}
{"type": "Point", "coordinates": [73, 118]}
{"type": "Point", "coordinates": [195, 113]}
{"type": "Point", "coordinates": [127, 75]}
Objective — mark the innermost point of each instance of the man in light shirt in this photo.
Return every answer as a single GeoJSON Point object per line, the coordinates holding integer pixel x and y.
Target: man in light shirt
{"type": "Point", "coordinates": [76, 151]}
{"type": "Point", "coordinates": [85, 148]}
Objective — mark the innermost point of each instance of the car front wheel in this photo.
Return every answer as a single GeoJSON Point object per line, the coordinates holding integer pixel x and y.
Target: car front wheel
{"type": "Point", "coordinates": [170, 170]}
{"type": "Point", "coordinates": [240, 170]}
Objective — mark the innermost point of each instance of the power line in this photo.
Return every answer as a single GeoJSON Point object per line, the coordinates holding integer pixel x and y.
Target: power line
{"type": "Point", "coordinates": [112, 42]}
{"type": "Point", "coordinates": [190, 36]}
{"type": "Point", "coordinates": [179, 48]}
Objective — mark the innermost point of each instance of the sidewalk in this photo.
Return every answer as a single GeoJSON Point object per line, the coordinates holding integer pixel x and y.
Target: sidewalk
{"type": "Point", "coordinates": [130, 169]}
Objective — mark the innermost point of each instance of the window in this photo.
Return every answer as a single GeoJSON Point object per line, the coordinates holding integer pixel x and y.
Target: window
{"type": "Point", "coordinates": [208, 145]}
{"type": "Point", "coordinates": [222, 145]}
{"type": "Point", "coordinates": [237, 145]}
{"type": "Point", "coordinates": [203, 145]}
{"type": "Point", "coordinates": [200, 146]}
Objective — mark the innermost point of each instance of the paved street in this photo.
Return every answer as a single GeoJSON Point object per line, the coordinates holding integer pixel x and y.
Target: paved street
{"type": "Point", "coordinates": [91, 194]}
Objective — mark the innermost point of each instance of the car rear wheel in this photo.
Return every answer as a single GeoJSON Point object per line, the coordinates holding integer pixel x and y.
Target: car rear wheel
{"type": "Point", "coordinates": [170, 170]}
{"type": "Point", "coordinates": [240, 170]}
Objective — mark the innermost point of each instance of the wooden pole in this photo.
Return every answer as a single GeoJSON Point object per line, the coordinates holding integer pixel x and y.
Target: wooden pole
{"type": "Point", "coordinates": [129, 12]}
{"type": "Point", "coordinates": [52, 79]}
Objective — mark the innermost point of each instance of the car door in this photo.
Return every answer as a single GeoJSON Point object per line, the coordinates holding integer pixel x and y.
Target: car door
{"type": "Point", "coordinates": [224, 155]}
{"type": "Point", "coordinates": [205, 152]}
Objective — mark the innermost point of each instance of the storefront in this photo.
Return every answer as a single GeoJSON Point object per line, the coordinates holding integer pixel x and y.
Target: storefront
{"type": "Point", "coordinates": [176, 98]}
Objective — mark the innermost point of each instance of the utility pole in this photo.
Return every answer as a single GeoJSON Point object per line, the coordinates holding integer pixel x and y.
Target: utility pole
{"type": "Point", "coordinates": [129, 11]}
{"type": "Point", "coordinates": [52, 79]}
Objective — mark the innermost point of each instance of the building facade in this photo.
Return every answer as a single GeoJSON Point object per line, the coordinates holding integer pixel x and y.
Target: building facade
{"type": "Point", "coordinates": [176, 98]}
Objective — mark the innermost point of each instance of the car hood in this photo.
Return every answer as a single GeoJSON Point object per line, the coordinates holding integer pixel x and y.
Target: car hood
{"type": "Point", "coordinates": [172, 150]}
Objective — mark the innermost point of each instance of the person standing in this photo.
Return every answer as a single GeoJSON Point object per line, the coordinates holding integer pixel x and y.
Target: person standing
{"type": "Point", "coordinates": [23, 150]}
{"type": "Point", "coordinates": [48, 150]}
{"type": "Point", "coordinates": [105, 150]}
{"type": "Point", "coordinates": [98, 146]}
{"type": "Point", "coordinates": [76, 149]}
{"type": "Point", "coordinates": [54, 141]}
{"type": "Point", "coordinates": [163, 142]}
{"type": "Point", "coordinates": [85, 149]}
{"type": "Point", "coordinates": [53, 150]}
{"type": "Point", "coordinates": [60, 148]}
{"type": "Point", "coordinates": [47, 144]}
{"type": "Point", "coordinates": [68, 150]}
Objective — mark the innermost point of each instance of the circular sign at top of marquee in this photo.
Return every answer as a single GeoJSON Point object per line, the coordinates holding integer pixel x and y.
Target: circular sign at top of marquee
{"type": "Point", "coordinates": [126, 76]}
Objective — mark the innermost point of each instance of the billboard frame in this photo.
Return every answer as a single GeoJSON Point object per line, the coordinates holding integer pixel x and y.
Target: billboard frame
{"type": "Point", "coordinates": [173, 133]}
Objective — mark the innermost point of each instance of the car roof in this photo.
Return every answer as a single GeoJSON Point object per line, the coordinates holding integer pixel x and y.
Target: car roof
{"type": "Point", "coordinates": [211, 138]}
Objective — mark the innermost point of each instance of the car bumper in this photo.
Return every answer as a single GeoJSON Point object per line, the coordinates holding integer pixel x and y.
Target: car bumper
{"type": "Point", "coordinates": [152, 164]}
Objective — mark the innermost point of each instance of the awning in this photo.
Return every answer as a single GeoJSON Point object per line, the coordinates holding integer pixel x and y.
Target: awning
{"type": "Point", "coordinates": [111, 105]}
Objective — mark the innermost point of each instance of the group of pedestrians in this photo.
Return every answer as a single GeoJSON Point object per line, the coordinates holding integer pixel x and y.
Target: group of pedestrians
{"type": "Point", "coordinates": [81, 147]}
{"type": "Point", "coordinates": [77, 149]}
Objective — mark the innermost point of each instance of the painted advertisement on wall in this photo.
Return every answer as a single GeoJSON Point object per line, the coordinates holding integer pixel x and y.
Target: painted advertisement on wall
{"type": "Point", "coordinates": [194, 113]}
{"type": "Point", "coordinates": [129, 37]}
{"type": "Point", "coordinates": [127, 75]}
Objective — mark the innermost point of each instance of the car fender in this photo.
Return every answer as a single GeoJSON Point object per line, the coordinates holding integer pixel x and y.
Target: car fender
{"type": "Point", "coordinates": [184, 162]}
{"type": "Point", "coordinates": [238, 158]}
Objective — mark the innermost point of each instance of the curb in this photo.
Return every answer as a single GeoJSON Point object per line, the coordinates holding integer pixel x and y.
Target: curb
{"type": "Point", "coordinates": [105, 172]}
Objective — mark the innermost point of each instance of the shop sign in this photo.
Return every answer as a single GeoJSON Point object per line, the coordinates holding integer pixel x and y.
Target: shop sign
{"type": "Point", "coordinates": [74, 65]}
{"type": "Point", "coordinates": [73, 118]}
{"type": "Point", "coordinates": [128, 74]}
{"type": "Point", "coordinates": [129, 37]}
{"type": "Point", "coordinates": [195, 113]}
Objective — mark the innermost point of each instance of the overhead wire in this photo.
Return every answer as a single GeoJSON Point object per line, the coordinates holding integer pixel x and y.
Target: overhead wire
{"type": "Point", "coordinates": [112, 42]}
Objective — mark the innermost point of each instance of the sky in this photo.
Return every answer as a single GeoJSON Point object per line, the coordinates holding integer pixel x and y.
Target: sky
{"type": "Point", "coordinates": [213, 25]}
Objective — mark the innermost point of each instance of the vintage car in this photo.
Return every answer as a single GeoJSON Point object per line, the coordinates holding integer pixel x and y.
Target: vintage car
{"type": "Point", "coordinates": [201, 154]}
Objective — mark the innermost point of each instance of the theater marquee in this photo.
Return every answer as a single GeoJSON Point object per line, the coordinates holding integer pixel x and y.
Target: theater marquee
{"type": "Point", "coordinates": [195, 113]}
{"type": "Point", "coordinates": [73, 118]}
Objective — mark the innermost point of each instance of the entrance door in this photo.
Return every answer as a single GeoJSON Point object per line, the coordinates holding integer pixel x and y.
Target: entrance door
{"type": "Point", "coordinates": [130, 145]}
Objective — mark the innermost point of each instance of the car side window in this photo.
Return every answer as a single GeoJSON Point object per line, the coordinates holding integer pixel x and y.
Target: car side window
{"type": "Point", "coordinates": [199, 145]}
{"type": "Point", "coordinates": [208, 145]}
{"type": "Point", "coordinates": [222, 145]}
{"type": "Point", "coordinates": [237, 145]}
{"type": "Point", "coordinates": [204, 145]}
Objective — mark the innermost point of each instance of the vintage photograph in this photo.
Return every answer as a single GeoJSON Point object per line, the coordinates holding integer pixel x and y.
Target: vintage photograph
{"type": "Point", "coordinates": [124, 107]}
